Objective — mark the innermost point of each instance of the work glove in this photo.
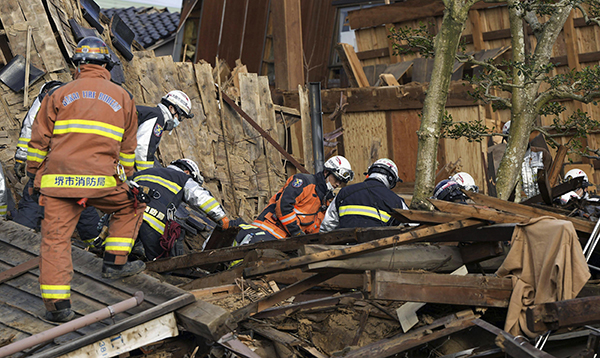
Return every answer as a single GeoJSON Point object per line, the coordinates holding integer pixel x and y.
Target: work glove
{"type": "Point", "coordinates": [224, 223]}
{"type": "Point", "coordinates": [20, 168]}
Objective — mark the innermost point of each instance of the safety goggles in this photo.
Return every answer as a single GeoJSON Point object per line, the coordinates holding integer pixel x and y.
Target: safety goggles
{"type": "Point", "coordinates": [473, 188]}
{"type": "Point", "coordinates": [344, 175]}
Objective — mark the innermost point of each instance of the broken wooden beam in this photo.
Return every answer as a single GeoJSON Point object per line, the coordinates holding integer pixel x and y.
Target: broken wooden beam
{"type": "Point", "coordinates": [401, 343]}
{"type": "Point", "coordinates": [563, 314]}
{"type": "Point", "coordinates": [556, 191]}
{"type": "Point", "coordinates": [422, 216]}
{"type": "Point", "coordinates": [282, 295]}
{"type": "Point", "coordinates": [206, 320]}
{"type": "Point", "coordinates": [19, 269]}
{"type": "Point", "coordinates": [405, 238]}
{"type": "Point", "coordinates": [484, 291]}
{"type": "Point", "coordinates": [517, 347]}
{"type": "Point", "coordinates": [352, 66]}
{"type": "Point", "coordinates": [239, 252]}
{"type": "Point", "coordinates": [295, 307]}
{"type": "Point", "coordinates": [478, 212]}
{"type": "Point", "coordinates": [519, 209]}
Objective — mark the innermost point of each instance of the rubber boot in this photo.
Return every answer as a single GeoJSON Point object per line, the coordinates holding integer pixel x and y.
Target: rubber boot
{"type": "Point", "coordinates": [120, 271]}
{"type": "Point", "coordinates": [63, 315]}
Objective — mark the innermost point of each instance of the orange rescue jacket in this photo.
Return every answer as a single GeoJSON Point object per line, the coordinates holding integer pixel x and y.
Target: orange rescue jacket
{"type": "Point", "coordinates": [298, 207]}
{"type": "Point", "coordinates": [83, 130]}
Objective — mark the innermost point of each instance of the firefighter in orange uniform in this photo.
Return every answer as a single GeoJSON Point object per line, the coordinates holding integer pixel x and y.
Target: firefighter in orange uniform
{"type": "Point", "coordinates": [299, 207]}
{"type": "Point", "coordinates": [82, 146]}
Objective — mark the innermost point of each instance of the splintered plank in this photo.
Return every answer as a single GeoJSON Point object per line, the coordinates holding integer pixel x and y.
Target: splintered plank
{"type": "Point", "coordinates": [440, 288]}
{"type": "Point", "coordinates": [518, 209]}
{"type": "Point", "coordinates": [352, 65]}
{"type": "Point", "coordinates": [405, 238]}
{"type": "Point", "coordinates": [421, 216]}
{"type": "Point", "coordinates": [275, 165]}
{"type": "Point", "coordinates": [563, 314]}
{"type": "Point", "coordinates": [46, 46]}
{"type": "Point", "coordinates": [239, 252]}
{"type": "Point", "coordinates": [510, 344]}
{"type": "Point", "coordinates": [290, 291]}
{"type": "Point", "coordinates": [479, 212]}
{"type": "Point", "coordinates": [401, 343]}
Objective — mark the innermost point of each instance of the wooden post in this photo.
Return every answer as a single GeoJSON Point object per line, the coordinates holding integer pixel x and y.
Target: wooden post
{"type": "Point", "coordinates": [306, 128]}
{"type": "Point", "coordinates": [289, 55]}
{"type": "Point", "coordinates": [27, 64]}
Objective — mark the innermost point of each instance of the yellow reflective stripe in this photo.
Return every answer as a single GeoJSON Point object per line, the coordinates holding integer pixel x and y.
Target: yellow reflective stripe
{"type": "Point", "coordinates": [56, 291]}
{"type": "Point", "coordinates": [3, 209]}
{"type": "Point", "coordinates": [118, 244]}
{"type": "Point", "coordinates": [247, 227]}
{"type": "Point", "coordinates": [141, 165]}
{"type": "Point", "coordinates": [78, 181]}
{"type": "Point", "coordinates": [364, 211]}
{"type": "Point", "coordinates": [266, 227]}
{"type": "Point", "coordinates": [209, 205]}
{"type": "Point", "coordinates": [22, 143]}
{"type": "Point", "coordinates": [127, 160]}
{"type": "Point", "coordinates": [89, 127]}
{"type": "Point", "coordinates": [288, 218]}
{"type": "Point", "coordinates": [154, 223]}
{"type": "Point", "coordinates": [174, 187]}
{"type": "Point", "coordinates": [36, 155]}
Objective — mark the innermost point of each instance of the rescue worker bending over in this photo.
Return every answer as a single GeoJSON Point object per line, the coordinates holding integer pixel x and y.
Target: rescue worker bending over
{"type": "Point", "coordinates": [369, 203]}
{"type": "Point", "coordinates": [449, 190]}
{"type": "Point", "coordinates": [82, 146]}
{"type": "Point", "coordinates": [466, 181]}
{"type": "Point", "coordinates": [180, 181]}
{"type": "Point", "coordinates": [299, 207]}
{"type": "Point", "coordinates": [579, 193]}
{"type": "Point", "coordinates": [29, 212]}
{"type": "Point", "coordinates": [153, 121]}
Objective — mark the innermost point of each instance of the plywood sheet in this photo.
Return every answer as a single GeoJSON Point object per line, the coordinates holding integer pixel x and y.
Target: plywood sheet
{"type": "Point", "coordinates": [469, 153]}
{"type": "Point", "coordinates": [365, 140]}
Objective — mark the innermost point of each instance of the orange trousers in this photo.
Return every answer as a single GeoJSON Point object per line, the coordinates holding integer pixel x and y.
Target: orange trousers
{"type": "Point", "coordinates": [60, 218]}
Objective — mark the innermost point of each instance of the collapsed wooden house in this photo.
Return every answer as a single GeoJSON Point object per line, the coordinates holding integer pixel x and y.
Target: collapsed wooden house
{"type": "Point", "coordinates": [352, 292]}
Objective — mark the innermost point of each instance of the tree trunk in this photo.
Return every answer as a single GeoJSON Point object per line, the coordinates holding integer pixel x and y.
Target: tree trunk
{"type": "Point", "coordinates": [445, 47]}
{"type": "Point", "coordinates": [524, 108]}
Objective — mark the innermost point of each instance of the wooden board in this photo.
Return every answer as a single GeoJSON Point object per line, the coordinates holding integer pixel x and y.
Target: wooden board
{"type": "Point", "coordinates": [352, 65]}
{"type": "Point", "coordinates": [469, 153]}
{"type": "Point", "coordinates": [438, 288]}
{"type": "Point", "coordinates": [365, 140]}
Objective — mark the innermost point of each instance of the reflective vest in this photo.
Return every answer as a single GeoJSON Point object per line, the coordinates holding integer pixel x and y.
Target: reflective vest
{"type": "Point", "coordinates": [367, 204]}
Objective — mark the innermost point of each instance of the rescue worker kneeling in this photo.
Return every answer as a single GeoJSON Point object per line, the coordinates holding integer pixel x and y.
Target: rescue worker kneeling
{"type": "Point", "coordinates": [369, 203]}
{"type": "Point", "coordinates": [299, 207]}
{"type": "Point", "coordinates": [84, 131]}
{"type": "Point", "coordinates": [180, 181]}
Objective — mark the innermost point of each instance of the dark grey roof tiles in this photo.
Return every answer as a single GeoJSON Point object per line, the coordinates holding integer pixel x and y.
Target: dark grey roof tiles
{"type": "Point", "coordinates": [149, 25]}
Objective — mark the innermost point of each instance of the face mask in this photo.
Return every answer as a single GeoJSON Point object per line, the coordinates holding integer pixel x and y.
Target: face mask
{"type": "Point", "coordinates": [172, 124]}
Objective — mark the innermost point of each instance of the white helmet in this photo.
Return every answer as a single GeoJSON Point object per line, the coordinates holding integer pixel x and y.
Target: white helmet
{"type": "Point", "coordinates": [576, 173]}
{"type": "Point", "coordinates": [340, 168]}
{"type": "Point", "coordinates": [180, 101]}
{"type": "Point", "coordinates": [465, 180]}
{"type": "Point", "coordinates": [386, 167]}
{"type": "Point", "coordinates": [506, 128]}
{"type": "Point", "coordinates": [191, 166]}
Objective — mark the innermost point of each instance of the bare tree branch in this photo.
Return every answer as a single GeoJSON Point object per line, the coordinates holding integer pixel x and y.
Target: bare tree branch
{"type": "Point", "coordinates": [587, 18]}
